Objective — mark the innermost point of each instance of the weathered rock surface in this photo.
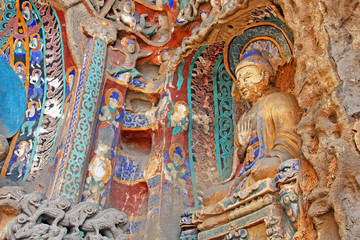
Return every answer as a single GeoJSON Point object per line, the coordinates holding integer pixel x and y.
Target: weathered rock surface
{"type": "Point", "coordinates": [326, 86]}
{"type": "Point", "coordinates": [4, 147]}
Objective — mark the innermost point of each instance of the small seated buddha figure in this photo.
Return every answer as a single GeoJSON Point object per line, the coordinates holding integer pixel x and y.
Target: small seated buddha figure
{"type": "Point", "coordinates": [265, 135]}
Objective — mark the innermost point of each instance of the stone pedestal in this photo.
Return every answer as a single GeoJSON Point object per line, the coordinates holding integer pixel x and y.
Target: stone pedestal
{"type": "Point", "coordinates": [254, 213]}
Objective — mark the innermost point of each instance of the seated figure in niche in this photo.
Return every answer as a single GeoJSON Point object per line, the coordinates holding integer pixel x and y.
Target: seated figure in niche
{"type": "Point", "coordinates": [20, 72]}
{"type": "Point", "coordinates": [132, 53]}
{"type": "Point", "coordinates": [19, 48]}
{"type": "Point", "coordinates": [265, 135]}
{"type": "Point", "coordinates": [70, 83]}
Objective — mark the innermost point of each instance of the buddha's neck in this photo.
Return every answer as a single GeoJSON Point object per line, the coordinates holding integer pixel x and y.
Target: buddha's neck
{"type": "Point", "coordinates": [257, 98]}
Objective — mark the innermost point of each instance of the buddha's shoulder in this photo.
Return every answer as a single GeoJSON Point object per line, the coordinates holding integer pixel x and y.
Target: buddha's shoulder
{"type": "Point", "coordinates": [280, 97]}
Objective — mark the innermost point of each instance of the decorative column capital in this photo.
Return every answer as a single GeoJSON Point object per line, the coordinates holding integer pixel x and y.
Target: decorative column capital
{"type": "Point", "coordinates": [99, 28]}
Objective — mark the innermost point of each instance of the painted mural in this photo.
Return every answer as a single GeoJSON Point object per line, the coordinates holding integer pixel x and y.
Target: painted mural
{"type": "Point", "coordinates": [32, 44]}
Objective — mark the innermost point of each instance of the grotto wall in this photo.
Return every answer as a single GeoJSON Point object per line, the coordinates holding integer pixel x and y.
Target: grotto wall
{"type": "Point", "coordinates": [141, 116]}
{"type": "Point", "coordinates": [326, 86]}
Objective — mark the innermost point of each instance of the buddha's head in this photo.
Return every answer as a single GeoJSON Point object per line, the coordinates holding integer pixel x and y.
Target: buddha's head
{"type": "Point", "coordinates": [165, 56]}
{"type": "Point", "coordinates": [97, 168]}
{"type": "Point", "coordinates": [114, 100]}
{"type": "Point", "coordinates": [127, 7]}
{"type": "Point", "coordinates": [203, 15]}
{"type": "Point", "coordinates": [131, 46]}
{"type": "Point", "coordinates": [253, 74]}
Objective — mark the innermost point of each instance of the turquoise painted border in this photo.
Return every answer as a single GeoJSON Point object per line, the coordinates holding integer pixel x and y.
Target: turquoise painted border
{"type": "Point", "coordinates": [73, 178]}
{"type": "Point", "coordinates": [180, 75]}
{"type": "Point", "coordinates": [36, 133]}
{"type": "Point", "coordinates": [191, 160]}
{"type": "Point", "coordinates": [217, 136]}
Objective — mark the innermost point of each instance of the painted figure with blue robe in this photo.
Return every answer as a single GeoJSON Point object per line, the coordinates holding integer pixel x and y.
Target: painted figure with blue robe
{"type": "Point", "coordinates": [109, 120]}
{"type": "Point", "coordinates": [36, 53]}
{"type": "Point", "coordinates": [20, 159]}
{"type": "Point", "coordinates": [28, 14]}
{"type": "Point", "coordinates": [36, 90]}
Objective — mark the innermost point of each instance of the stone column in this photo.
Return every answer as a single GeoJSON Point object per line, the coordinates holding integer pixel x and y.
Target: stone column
{"type": "Point", "coordinates": [69, 177]}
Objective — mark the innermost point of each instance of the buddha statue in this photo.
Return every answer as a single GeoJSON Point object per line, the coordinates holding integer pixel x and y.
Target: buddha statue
{"type": "Point", "coordinates": [265, 135]}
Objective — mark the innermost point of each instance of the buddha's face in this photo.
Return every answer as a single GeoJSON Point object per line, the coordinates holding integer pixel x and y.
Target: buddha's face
{"type": "Point", "coordinates": [177, 159]}
{"type": "Point", "coordinates": [203, 16]}
{"type": "Point", "coordinates": [165, 56]}
{"type": "Point", "coordinates": [131, 47]}
{"type": "Point", "coordinates": [252, 81]}
{"type": "Point", "coordinates": [127, 8]}
{"type": "Point", "coordinates": [98, 170]}
{"type": "Point", "coordinates": [113, 103]}
{"type": "Point", "coordinates": [214, 3]}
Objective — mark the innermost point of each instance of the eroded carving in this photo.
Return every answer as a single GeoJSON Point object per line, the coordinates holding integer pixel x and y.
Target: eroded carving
{"type": "Point", "coordinates": [58, 218]}
{"type": "Point", "coordinates": [4, 147]}
{"type": "Point", "coordinates": [273, 228]}
{"type": "Point", "coordinates": [240, 234]}
{"type": "Point", "coordinates": [127, 70]}
{"type": "Point", "coordinates": [188, 228]}
{"type": "Point", "coordinates": [287, 181]}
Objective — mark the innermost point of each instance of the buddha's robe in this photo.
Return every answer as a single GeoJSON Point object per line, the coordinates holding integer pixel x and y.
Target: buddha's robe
{"type": "Point", "coordinates": [273, 140]}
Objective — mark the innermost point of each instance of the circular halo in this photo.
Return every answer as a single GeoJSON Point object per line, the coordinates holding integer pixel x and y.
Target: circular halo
{"type": "Point", "coordinates": [23, 5]}
{"type": "Point", "coordinates": [36, 71]}
{"type": "Point", "coordinates": [132, 6]}
{"type": "Point", "coordinates": [182, 102]}
{"type": "Point", "coordinates": [19, 63]}
{"type": "Point", "coordinates": [32, 102]}
{"type": "Point", "coordinates": [24, 142]}
{"type": "Point", "coordinates": [108, 94]}
{"type": "Point", "coordinates": [17, 40]}
{"type": "Point", "coordinates": [107, 167]}
{"type": "Point", "coordinates": [35, 35]}
{"type": "Point", "coordinates": [173, 149]}
{"type": "Point", "coordinates": [125, 40]}
{"type": "Point", "coordinates": [273, 29]}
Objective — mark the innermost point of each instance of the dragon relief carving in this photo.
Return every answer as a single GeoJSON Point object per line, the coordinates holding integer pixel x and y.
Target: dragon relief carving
{"type": "Point", "coordinates": [58, 218]}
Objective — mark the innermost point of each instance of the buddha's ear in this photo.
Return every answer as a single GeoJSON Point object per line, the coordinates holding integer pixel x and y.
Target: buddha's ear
{"type": "Point", "coordinates": [266, 76]}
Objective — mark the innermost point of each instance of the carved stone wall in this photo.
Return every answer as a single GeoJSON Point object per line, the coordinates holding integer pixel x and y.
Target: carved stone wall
{"type": "Point", "coordinates": [326, 86]}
